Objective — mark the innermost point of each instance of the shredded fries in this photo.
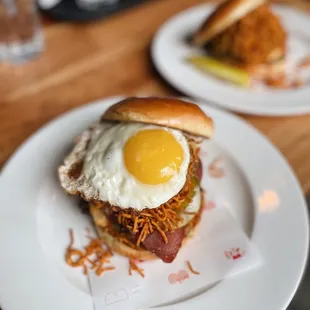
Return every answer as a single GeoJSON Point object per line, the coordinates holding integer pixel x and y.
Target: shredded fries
{"type": "Point", "coordinates": [74, 252]}
{"type": "Point", "coordinates": [82, 258]}
{"type": "Point", "coordinates": [85, 270]}
{"type": "Point", "coordinates": [189, 265]}
{"type": "Point", "coordinates": [133, 267]}
{"type": "Point", "coordinates": [71, 238]}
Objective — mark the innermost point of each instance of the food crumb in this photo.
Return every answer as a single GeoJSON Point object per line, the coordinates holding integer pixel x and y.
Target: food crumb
{"type": "Point", "coordinates": [134, 267]}
{"type": "Point", "coordinates": [214, 170]}
{"type": "Point", "coordinates": [85, 269]}
{"type": "Point", "coordinates": [282, 82]}
{"type": "Point", "coordinates": [279, 81]}
{"type": "Point", "coordinates": [190, 267]}
{"type": "Point", "coordinates": [298, 82]}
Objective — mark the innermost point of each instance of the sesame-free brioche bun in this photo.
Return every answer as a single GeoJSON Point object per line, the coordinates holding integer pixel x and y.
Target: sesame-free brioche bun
{"type": "Point", "coordinates": [119, 247]}
{"type": "Point", "coordinates": [225, 15]}
{"type": "Point", "coordinates": [168, 112]}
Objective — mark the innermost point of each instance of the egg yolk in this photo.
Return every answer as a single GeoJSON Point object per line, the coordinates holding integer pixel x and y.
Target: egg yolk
{"type": "Point", "coordinates": [153, 156]}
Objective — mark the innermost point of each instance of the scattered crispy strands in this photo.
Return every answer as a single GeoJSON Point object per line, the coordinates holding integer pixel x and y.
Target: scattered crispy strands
{"type": "Point", "coordinates": [191, 268]}
{"type": "Point", "coordinates": [94, 249]}
{"type": "Point", "coordinates": [133, 266]}
{"type": "Point", "coordinates": [74, 252]}
{"type": "Point", "coordinates": [101, 270]}
{"type": "Point", "coordinates": [71, 238]}
{"type": "Point", "coordinates": [85, 270]}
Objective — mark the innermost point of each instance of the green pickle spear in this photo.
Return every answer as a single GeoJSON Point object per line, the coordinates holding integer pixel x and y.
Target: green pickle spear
{"type": "Point", "coordinates": [221, 70]}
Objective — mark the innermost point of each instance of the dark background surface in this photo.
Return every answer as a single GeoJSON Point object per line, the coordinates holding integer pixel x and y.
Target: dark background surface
{"type": "Point", "coordinates": [67, 10]}
{"type": "Point", "coordinates": [301, 301]}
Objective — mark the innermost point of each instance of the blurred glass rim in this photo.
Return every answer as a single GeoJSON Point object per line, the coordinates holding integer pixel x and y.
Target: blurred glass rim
{"type": "Point", "coordinates": [82, 4]}
{"type": "Point", "coordinates": [93, 4]}
{"type": "Point", "coordinates": [48, 4]}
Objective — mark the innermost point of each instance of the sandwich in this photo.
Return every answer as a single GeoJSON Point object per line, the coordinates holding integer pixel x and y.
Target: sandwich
{"type": "Point", "coordinates": [245, 34]}
{"type": "Point", "coordinates": [138, 168]}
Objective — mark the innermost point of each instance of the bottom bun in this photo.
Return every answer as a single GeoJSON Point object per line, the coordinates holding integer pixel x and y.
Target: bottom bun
{"type": "Point", "coordinates": [125, 250]}
{"type": "Point", "coordinates": [120, 248]}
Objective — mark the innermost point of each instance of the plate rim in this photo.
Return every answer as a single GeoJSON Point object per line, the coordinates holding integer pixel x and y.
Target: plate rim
{"type": "Point", "coordinates": [236, 118]}
{"type": "Point", "coordinates": [188, 91]}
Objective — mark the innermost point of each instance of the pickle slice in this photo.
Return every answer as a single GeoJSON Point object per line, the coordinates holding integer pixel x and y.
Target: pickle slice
{"type": "Point", "coordinates": [221, 70]}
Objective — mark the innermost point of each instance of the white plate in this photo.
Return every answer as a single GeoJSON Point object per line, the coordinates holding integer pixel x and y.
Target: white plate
{"type": "Point", "coordinates": [35, 216]}
{"type": "Point", "coordinates": [170, 49]}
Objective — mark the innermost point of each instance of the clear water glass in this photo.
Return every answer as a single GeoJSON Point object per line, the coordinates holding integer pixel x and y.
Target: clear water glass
{"type": "Point", "coordinates": [21, 38]}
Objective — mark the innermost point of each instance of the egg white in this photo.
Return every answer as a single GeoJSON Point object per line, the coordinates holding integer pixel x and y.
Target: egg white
{"type": "Point", "coordinates": [104, 168]}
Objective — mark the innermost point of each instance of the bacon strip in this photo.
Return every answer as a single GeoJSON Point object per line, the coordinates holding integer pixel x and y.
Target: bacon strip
{"type": "Point", "coordinates": [165, 251]}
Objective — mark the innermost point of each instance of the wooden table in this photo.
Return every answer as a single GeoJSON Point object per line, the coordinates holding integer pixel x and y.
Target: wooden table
{"type": "Point", "coordinates": [83, 63]}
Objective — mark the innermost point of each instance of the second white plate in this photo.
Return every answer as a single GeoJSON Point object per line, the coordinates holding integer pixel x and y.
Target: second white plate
{"type": "Point", "coordinates": [170, 49]}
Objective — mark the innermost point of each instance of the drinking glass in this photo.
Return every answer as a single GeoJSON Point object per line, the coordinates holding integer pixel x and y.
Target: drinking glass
{"type": "Point", "coordinates": [20, 35]}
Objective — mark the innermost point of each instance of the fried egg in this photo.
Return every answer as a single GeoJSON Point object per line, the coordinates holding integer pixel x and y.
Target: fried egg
{"type": "Point", "coordinates": [134, 165]}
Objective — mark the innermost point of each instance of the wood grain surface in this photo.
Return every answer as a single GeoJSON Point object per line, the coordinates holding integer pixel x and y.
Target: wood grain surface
{"type": "Point", "coordinates": [86, 62]}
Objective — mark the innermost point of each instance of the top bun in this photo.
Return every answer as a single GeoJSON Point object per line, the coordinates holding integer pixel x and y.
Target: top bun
{"type": "Point", "coordinates": [225, 15]}
{"type": "Point", "coordinates": [166, 112]}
